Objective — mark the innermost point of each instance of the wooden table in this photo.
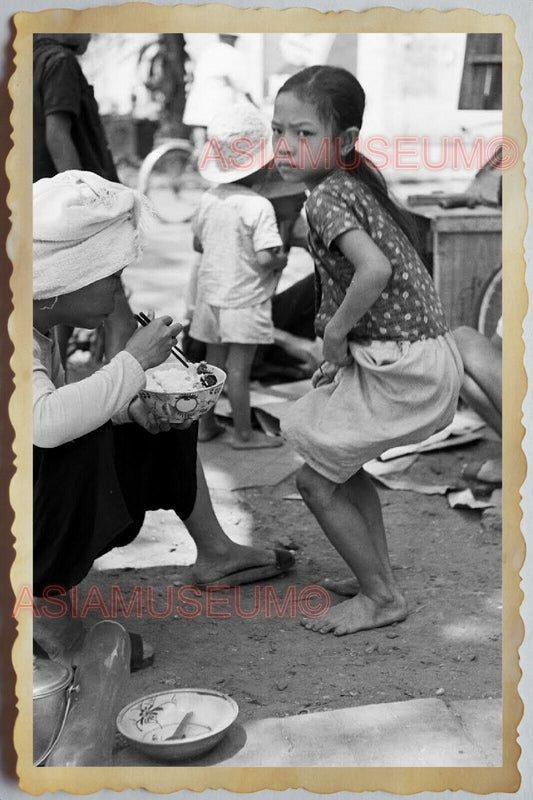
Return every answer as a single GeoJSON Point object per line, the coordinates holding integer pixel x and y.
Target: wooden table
{"type": "Point", "coordinates": [465, 248]}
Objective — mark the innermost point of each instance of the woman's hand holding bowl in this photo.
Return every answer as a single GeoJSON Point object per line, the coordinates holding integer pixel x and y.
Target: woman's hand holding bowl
{"type": "Point", "coordinates": [152, 345]}
{"type": "Point", "coordinates": [141, 414]}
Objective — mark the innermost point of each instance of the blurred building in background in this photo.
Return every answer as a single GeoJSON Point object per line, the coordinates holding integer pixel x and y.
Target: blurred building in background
{"type": "Point", "coordinates": [413, 84]}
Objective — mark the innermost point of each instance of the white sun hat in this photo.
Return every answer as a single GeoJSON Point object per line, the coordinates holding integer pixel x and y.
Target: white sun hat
{"type": "Point", "coordinates": [238, 144]}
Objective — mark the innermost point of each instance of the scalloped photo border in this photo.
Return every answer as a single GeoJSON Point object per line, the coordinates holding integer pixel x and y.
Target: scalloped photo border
{"type": "Point", "coordinates": [144, 17]}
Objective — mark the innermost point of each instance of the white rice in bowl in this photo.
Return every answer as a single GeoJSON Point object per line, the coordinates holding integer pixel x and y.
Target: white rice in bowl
{"type": "Point", "coordinates": [177, 381]}
{"type": "Point", "coordinates": [173, 381]}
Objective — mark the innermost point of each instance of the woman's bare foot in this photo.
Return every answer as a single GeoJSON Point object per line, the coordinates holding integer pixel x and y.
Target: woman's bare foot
{"type": "Point", "coordinates": [256, 440]}
{"type": "Point", "coordinates": [360, 613]}
{"type": "Point", "coordinates": [347, 587]}
{"type": "Point", "coordinates": [209, 429]}
{"type": "Point", "coordinates": [231, 568]}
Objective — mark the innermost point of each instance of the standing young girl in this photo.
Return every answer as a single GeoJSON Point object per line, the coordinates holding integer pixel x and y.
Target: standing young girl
{"type": "Point", "coordinates": [392, 372]}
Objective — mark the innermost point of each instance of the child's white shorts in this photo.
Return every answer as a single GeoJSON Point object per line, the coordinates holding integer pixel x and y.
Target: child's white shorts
{"type": "Point", "coordinates": [393, 393]}
{"type": "Point", "coordinates": [214, 325]}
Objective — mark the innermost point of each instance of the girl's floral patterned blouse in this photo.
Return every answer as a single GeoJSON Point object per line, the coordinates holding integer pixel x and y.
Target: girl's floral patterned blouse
{"type": "Point", "coordinates": [408, 308]}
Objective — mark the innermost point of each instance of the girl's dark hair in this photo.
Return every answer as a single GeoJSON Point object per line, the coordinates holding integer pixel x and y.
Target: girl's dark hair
{"type": "Point", "coordinates": [339, 99]}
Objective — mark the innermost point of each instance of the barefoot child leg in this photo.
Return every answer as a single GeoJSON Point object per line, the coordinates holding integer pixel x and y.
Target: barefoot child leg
{"type": "Point", "coordinates": [347, 514]}
{"type": "Point", "coordinates": [362, 494]}
{"type": "Point", "coordinates": [239, 365]}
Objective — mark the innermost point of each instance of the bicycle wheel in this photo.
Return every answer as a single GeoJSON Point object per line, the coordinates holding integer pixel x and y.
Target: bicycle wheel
{"type": "Point", "coordinates": [490, 305]}
{"type": "Point", "coordinates": [168, 180]}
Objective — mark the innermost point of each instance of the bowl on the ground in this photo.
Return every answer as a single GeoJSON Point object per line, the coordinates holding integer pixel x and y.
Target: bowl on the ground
{"type": "Point", "coordinates": [174, 393]}
{"type": "Point", "coordinates": [203, 717]}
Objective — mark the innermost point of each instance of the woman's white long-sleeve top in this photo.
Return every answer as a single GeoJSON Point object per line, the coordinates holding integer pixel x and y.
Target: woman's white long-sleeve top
{"type": "Point", "coordinates": [63, 412]}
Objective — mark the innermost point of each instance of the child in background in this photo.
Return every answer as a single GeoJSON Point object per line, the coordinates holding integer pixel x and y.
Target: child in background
{"type": "Point", "coordinates": [235, 230]}
{"type": "Point", "coordinates": [392, 373]}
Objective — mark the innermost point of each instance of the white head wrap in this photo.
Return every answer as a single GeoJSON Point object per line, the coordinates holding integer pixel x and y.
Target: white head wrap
{"type": "Point", "coordinates": [85, 228]}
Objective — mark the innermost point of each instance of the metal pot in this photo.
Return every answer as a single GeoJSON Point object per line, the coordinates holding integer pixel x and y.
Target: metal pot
{"type": "Point", "coordinates": [52, 687]}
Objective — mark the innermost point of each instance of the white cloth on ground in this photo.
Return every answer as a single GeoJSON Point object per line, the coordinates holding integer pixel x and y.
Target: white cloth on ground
{"type": "Point", "coordinates": [62, 412]}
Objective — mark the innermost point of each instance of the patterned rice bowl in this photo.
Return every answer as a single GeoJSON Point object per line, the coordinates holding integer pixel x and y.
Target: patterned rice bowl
{"type": "Point", "coordinates": [184, 405]}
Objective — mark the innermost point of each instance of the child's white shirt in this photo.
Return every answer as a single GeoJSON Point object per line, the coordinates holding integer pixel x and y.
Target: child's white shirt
{"type": "Point", "coordinates": [233, 223]}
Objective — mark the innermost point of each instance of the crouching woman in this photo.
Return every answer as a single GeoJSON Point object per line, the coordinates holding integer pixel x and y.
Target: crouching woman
{"type": "Point", "coordinates": [97, 465]}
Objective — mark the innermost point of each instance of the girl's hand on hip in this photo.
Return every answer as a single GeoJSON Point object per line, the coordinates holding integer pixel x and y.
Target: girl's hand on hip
{"type": "Point", "coordinates": [335, 348]}
{"type": "Point", "coordinates": [152, 345]}
{"type": "Point", "coordinates": [324, 374]}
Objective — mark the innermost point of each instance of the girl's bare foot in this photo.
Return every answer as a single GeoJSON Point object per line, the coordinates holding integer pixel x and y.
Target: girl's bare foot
{"type": "Point", "coordinates": [256, 440]}
{"type": "Point", "coordinates": [348, 587]}
{"type": "Point", "coordinates": [209, 429]}
{"type": "Point", "coordinates": [360, 613]}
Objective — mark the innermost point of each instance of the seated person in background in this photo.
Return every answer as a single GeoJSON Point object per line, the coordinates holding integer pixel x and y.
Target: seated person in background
{"type": "Point", "coordinates": [101, 460]}
{"type": "Point", "coordinates": [296, 352]}
{"type": "Point", "coordinates": [482, 383]}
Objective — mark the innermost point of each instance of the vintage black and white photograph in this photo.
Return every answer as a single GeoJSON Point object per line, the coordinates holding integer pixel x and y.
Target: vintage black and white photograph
{"type": "Point", "coordinates": [267, 399]}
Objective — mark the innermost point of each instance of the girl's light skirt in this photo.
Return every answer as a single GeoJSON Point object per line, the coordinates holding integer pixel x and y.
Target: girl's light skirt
{"type": "Point", "coordinates": [393, 393]}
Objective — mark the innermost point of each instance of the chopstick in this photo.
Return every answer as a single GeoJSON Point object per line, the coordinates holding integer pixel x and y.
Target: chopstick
{"type": "Point", "coordinates": [143, 320]}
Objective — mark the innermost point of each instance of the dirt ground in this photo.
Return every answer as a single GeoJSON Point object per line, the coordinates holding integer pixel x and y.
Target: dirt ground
{"type": "Point", "coordinates": [449, 646]}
